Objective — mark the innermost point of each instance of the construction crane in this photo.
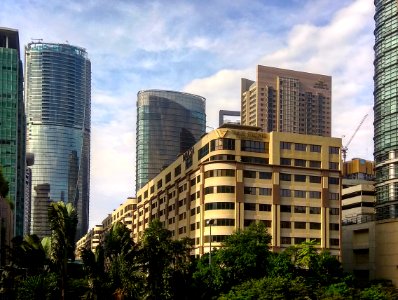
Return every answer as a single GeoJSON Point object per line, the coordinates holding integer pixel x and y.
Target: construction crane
{"type": "Point", "coordinates": [344, 149]}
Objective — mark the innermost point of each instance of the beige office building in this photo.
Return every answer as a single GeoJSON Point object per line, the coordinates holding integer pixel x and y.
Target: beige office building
{"type": "Point", "coordinates": [236, 175]}
{"type": "Point", "coordinates": [287, 101]}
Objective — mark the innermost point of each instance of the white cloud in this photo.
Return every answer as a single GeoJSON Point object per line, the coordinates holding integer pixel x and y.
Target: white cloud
{"type": "Point", "coordinates": [341, 48]}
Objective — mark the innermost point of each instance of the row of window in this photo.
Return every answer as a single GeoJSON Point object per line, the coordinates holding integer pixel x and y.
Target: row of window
{"type": "Point", "coordinates": [308, 225]}
{"type": "Point", "coordinates": [287, 240]}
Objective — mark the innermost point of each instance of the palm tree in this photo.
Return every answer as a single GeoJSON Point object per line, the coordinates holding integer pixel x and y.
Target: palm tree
{"type": "Point", "coordinates": [63, 221]}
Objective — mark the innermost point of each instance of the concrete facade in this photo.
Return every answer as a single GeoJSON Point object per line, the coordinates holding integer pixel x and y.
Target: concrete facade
{"type": "Point", "coordinates": [236, 175]}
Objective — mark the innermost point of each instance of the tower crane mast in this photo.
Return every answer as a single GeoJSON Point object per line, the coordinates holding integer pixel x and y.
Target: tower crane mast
{"type": "Point", "coordinates": [344, 149]}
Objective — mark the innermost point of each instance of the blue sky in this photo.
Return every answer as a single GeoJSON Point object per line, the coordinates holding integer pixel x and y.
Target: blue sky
{"type": "Point", "coordinates": [201, 47]}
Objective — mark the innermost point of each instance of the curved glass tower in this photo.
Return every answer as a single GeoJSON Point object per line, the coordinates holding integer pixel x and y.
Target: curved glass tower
{"type": "Point", "coordinates": [168, 124]}
{"type": "Point", "coordinates": [58, 96]}
{"type": "Point", "coordinates": [386, 108]}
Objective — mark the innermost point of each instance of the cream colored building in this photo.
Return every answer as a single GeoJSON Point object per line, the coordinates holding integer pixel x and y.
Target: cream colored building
{"type": "Point", "coordinates": [236, 175]}
{"type": "Point", "coordinates": [287, 101]}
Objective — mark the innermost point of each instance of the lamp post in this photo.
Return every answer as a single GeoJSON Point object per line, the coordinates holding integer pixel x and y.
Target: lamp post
{"type": "Point", "coordinates": [210, 222]}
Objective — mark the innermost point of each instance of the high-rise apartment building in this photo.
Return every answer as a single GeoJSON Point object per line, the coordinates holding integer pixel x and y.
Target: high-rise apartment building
{"type": "Point", "coordinates": [12, 122]}
{"type": "Point", "coordinates": [386, 109]}
{"type": "Point", "coordinates": [58, 103]}
{"type": "Point", "coordinates": [236, 175]}
{"type": "Point", "coordinates": [287, 101]}
{"type": "Point", "coordinates": [168, 124]}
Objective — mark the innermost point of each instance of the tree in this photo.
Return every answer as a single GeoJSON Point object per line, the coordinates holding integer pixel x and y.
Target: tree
{"type": "Point", "coordinates": [63, 221]}
{"type": "Point", "coordinates": [3, 185]}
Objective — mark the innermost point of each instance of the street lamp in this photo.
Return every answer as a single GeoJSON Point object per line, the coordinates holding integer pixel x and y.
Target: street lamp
{"type": "Point", "coordinates": [210, 222]}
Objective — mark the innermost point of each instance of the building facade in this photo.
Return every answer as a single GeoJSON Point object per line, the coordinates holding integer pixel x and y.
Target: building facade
{"type": "Point", "coordinates": [287, 101]}
{"type": "Point", "coordinates": [385, 109]}
{"type": "Point", "coordinates": [237, 175]}
{"type": "Point", "coordinates": [12, 123]}
{"type": "Point", "coordinates": [168, 124]}
{"type": "Point", "coordinates": [58, 103]}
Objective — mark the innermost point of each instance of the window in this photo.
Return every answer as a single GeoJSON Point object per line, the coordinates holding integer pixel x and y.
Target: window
{"type": "Point", "coordinates": [286, 240]}
{"type": "Point", "coordinates": [300, 178]}
{"type": "Point", "coordinates": [299, 240]}
{"type": "Point", "coordinates": [300, 194]}
{"type": "Point", "coordinates": [334, 242]}
{"type": "Point", "coordinates": [182, 216]}
{"type": "Point", "coordinates": [209, 190]}
{"type": "Point", "coordinates": [334, 226]}
{"type": "Point", "coordinates": [300, 162]}
{"type": "Point", "coordinates": [248, 190]}
{"type": "Point", "coordinates": [286, 208]}
{"type": "Point", "coordinates": [333, 165]}
{"type": "Point", "coordinates": [267, 223]}
{"type": "Point", "coordinates": [299, 209]}
{"type": "Point", "coordinates": [222, 157]}
{"type": "Point", "coordinates": [219, 205]}
{"type": "Point", "coordinates": [300, 147]}
{"type": "Point", "coordinates": [249, 174]}
{"type": "Point", "coordinates": [177, 170]}
{"type": "Point", "coordinates": [264, 207]}
{"type": "Point", "coordinates": [315, 226]}
{"type": "Point", "coordinates": [315, 164]}
{"type": "Point", "coordinates": [315, 195]}
{"type": "Point", "coordinates": [334, 211]}
{"type": "Point", "coordinates": [198, 179]}
{"type": "Point", "coordinates": [334, 180]}
{"type": "Point", "coordinates": [220, 173]}
{"type": "Point", "coordinates": [265, 191]}
{"type": "Point", "coordinates": [222, 144]}
{"type": "Point", "coordinates": [254, 160]}
{"type": "Point", "coordinates": [299, 225]}
{"type": "Point", "coordinates": [152, 189]}
{"type": "Point", "coordinates": [193, 212]}
{"type": "Point", "coordinates": [253, 146]}
{"type": "Point", "coordinates": [248, 222]}
{"type": "Point", "coordinates": [286, 161]}
{"type": "Point", "coordinates": [193, 226]}
{"type": "Point", "coordinates": [265, 175]}
{"type": "Point", "coordinates": [215, 238]}
{"type": "Point", "coordinates": [226, 189]}
{"type": "Point", "coordinates": [222, 222]}
{"type": "Point", "coordinates": [285, 177]}
{"type": "Point", "coordinates": [203, 151]}
{"type": "Point", "coordinates": [315, 148]}
{"type": "Point", "coordinates": [146, 194]}
{"type": "Point", "coordinates": [285, 145]}
{"type": "Point", "coordinates": [334, 150]}
{"type": "Point", "coordinates": [182, 230]}
{"type": "Point", "coordinates": [250, 206]}
{"type": "Point", "coordinates": [285, 193]}
{"type": "Point", "coordinates": [334, 196]}
{"type": "Point", "coordinates": [160, 183]}
{"type": "Point", "coordinates": [286, 224]}
{"type": "Point", "coordinates": [315, 210]}
{"type": "Point", "coordinates": [315, 179]}
{"type": "Point", "coordinates": [168, 177]}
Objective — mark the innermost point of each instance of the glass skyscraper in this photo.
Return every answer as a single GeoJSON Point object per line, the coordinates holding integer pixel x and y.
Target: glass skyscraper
{"type": "Point", "coordinates": [168, 124]}
{"type": "Point", "coordinates": [386, 108]}
{"type": "Point", "coordinates": [12, 122]}
{"type": "Point", "coordinates": [58, 104]}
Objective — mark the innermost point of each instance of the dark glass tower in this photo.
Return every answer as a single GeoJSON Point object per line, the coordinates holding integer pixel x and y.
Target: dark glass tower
{"type": "Point", "coordinates": [168, 124]}
{"type": "Point", "coordinates": [58, 97]}
{"type": "Point", "coordinates": [12, 122]}
{"type": "Point", "coordinates": [386, 108]}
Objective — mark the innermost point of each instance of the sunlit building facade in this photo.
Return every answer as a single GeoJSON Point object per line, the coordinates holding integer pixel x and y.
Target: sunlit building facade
{"type": "Point", "coordinates": [168, 124]}
{"type": "Point", "coordinates": [12, 123]}
{"type": "Point", "coordinates": [287, 101]}
{"type": "Point", "coordinates": [58, 103]}
{"type": "Point", "coordinates": [237, 175]}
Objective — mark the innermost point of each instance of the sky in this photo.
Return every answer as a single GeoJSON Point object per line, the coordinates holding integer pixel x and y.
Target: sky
{"type": "Point", "coordinates": [204, 48]}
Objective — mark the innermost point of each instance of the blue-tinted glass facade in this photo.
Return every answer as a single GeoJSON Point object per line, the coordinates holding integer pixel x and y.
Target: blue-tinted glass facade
{"type": "Point", "coordinates": [386, 108]}
{"type": "Point", "coordinates": [168, 124]}
{"type": "Point", "coordinates": [58, 96]}
{"type": "Point", "coordinates": [12, 123]}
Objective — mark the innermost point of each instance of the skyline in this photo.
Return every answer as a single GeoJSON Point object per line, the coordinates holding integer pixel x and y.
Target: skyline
{"type": "Point", "coordinates": [202, 49]}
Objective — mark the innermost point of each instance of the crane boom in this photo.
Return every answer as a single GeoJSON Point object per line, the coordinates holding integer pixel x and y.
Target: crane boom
{"type": "Point", "coordinates": [345, 148]}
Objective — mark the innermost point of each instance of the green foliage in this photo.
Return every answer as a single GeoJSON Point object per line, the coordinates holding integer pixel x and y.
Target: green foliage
{"type": "Point", "coordinates": [39, 287]}
{"type": "Point", "coordinates": [337, 291]}
{"type": "Point", "coordinates": [268, 288]}
{"type": "Point", "coordinates": [379, 292]}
